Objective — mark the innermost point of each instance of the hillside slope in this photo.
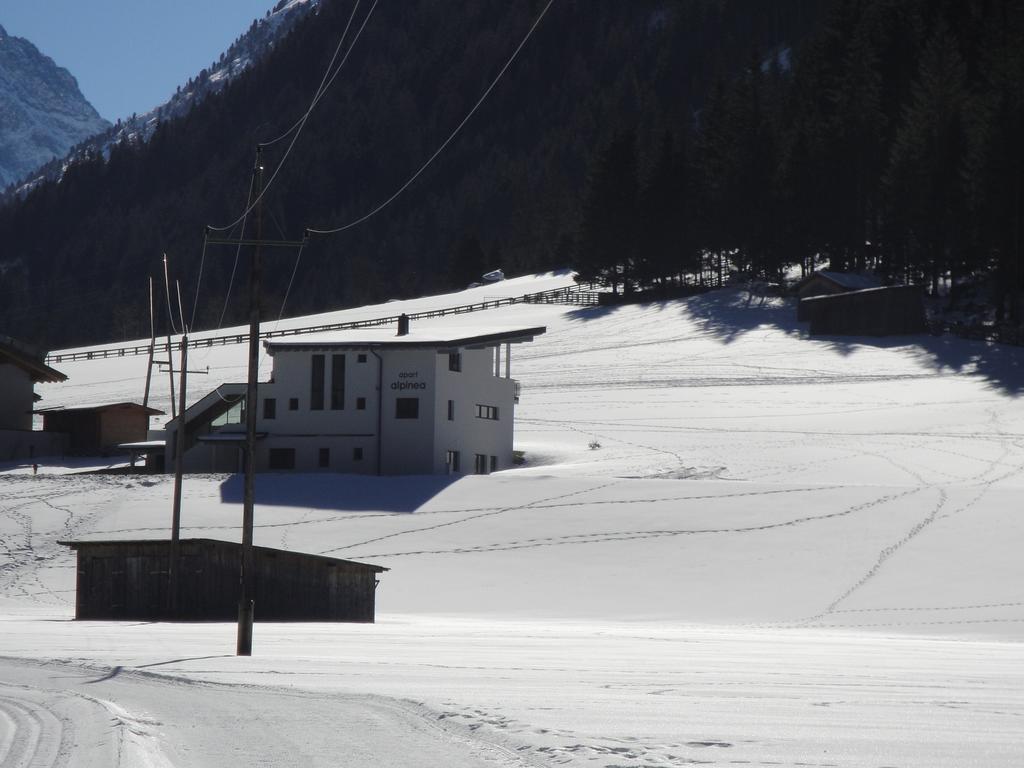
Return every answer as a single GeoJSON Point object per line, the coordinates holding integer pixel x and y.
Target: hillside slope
{"type": "Point", "coordinates": [80, 250]}
{"type": "Point", "coordinates": [782, 550]}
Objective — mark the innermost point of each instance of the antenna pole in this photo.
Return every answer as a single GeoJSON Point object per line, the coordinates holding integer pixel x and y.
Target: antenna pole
{"type": "Point", "coordinates": [246, 603]}
{"type": "Point", "coordinates": [179, 454]}
{"type": "Point", "coordinates": [152, 345]}
{"type": "Point", "coordinates": [170, 349]}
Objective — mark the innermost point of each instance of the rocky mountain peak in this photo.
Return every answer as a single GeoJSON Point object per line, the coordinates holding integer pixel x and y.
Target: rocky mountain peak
{"type": "Point", "coordinates": [42, 112]}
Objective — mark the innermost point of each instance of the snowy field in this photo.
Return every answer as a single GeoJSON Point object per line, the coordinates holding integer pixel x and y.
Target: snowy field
{"type": "Point", "coordinates": [730, 545]}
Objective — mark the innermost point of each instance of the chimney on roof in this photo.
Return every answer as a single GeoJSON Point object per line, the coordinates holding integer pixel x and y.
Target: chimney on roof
{"type": "Point", "coordinates": [403, 324]}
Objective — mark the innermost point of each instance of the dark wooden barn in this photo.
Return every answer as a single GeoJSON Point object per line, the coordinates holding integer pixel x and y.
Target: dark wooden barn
{"type": "Point", "coordinates": [130, 580]}
{"type": "Point", "coordinates": [97, 430]}
{"type": "Point", "coordinates": [894, 310]}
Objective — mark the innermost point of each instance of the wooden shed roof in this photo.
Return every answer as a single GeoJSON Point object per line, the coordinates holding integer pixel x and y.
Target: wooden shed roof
{"type": "Point", "coordinates": [158, 543]}
{"type": "Point", "coordinates": [97, 407]}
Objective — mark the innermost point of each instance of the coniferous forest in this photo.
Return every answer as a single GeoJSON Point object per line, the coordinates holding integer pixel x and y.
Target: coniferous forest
{"type": "Point", "coordinates": [889, 140]}
{"type": "Point", "coordinates": [644, 143]}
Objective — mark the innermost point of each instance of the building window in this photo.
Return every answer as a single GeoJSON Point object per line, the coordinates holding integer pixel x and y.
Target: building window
{"type": "Point", "coordinates": [361, 358]}
{"type": "Point", "coordinates": [269, 408]}
{"type": "Point", "coordinates": [316, 390]}
{"type": "Point", "coordinates": [494, 463]}
{"type": "Point", "coordinates": [407, 407]}
{"type": "Point", "coordinates": [235, 414]}
{"type": "Point", "coordinates": [487, 412]}
{"type": "Point", "coordinates": [455, 361]}
{"type": "Point", "coordinates": [360, 403]}
{"type": "Point", "coordinates": [282, 458]}
{"type": "Point", "coordinates": [357, 453]}
{"type": "Point", "coordinates": [451, 410]}
{"type": "Point", "coordinates": [451, 458]}
{"type": "Point", "coordinates": [325, 458]}
{"type": "Point", "coordinates": [293, 404]}
{"type": "Point", "coordinates": [337, 382]}
{"type": "Point", "coordinates": [480, 464]}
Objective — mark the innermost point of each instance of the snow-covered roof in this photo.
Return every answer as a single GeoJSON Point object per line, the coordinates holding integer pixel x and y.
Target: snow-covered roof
{"type": "Point", "coordinates": [430, 338]}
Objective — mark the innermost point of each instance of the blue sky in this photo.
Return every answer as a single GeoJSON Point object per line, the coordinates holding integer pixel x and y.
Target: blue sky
{"type": "Point", "coordinates": [130, 55]}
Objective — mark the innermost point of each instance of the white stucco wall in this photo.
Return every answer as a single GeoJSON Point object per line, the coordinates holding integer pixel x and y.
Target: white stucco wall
{"type": "Point", "coordinates": [468, 434]}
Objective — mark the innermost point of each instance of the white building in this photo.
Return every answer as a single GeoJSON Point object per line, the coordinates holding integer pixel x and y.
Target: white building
{"type": "Point", "coordinates": [368, 402]}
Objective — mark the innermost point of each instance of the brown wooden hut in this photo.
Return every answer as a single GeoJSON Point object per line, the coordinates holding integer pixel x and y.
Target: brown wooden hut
{"type": "Point", "coordinates": [97, 430]}
{"type": "Point", "coordinates": [130, 580]}
{"type": "Point", "coordinates": [894, 310]}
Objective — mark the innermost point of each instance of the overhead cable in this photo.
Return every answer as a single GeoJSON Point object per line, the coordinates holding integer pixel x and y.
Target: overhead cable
{"type": "Point", "coordinates": [324, 84]}
{"type": "Point", "coordinates": [305, 117]}
{"type": "Point", "coordinates": [446, 142]}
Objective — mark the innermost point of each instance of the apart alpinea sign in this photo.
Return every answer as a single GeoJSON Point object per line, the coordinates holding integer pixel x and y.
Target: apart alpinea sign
{"type": "Point", "coordinates": [408, 380]}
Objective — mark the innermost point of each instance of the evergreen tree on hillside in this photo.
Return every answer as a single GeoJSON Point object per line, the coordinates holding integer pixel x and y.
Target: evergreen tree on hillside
{"type": "Point", "coordinates": [925, 177]}
{"type": "Point", "coordinates": [607, 246]}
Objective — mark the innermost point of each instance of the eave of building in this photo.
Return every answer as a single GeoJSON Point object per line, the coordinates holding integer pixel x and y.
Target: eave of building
{"type": "Point", "coordinates": [36, 369]}
{"type": "Point", "coordinates": [95, 407]}
{"type": "Point", "coordinates": [439, 340]}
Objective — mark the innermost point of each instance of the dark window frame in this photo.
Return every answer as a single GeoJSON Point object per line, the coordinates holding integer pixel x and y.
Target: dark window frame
{"type": "Point", "coordinates": [451, 410]}
{"type": "Point", "coordinates": [337, 382]}
{"type": "Point", "coordinates": [480, 464]}
{"type": "Point", "coordinates": [407, 407]}
{"type": "Point", "coordinates": [281, 458]}
{"type": "Point", "coordinates": [293, 403]}
{"type": "Point", "coordinates": [324, 458]}
{"type": "Point", "coordinates": [455, 361]}
{"type": "Point", "coordinates": [316, 387]}
{"type": "Point", "coordinates": [451, 458]}
{"type": "Point", "coordinates": [489, 412]}
{"type": "Point", "coordinates": [360, 403]}
{"type": "Point", "coordinates": [269, 408]}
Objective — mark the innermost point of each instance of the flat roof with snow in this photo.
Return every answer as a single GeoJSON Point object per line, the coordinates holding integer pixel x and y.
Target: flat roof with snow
{"type": "Point", "coordinates": [429, 338]}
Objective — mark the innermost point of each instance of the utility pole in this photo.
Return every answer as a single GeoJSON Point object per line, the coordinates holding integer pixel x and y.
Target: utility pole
{"type": "Point", "coordinates": [152, 345]}
{"type": "Point", "coordinates": [170, 322]}
{"type": "Point", "coordinates": [243, 645]}
{"type": "Point", "coordinates": [247, 575]}
{"type": "Point", "coordinates": [179, 453]}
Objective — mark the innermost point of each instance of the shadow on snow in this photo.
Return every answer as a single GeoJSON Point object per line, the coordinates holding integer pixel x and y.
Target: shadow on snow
{"type": "Point", "coordinates": [728, 315]}
{"type": "Point", "coordinates": [350, 493]}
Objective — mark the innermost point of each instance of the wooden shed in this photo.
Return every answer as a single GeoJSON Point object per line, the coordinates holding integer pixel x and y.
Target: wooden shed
{"type": "Point", "coordinates": [825, 282]}
{"type": "Point", "coordinates": [894, 310]}
{"type": "Point", "coordinates": [97, 430]}
{"type": "Point", "coordinates": [130, 580]}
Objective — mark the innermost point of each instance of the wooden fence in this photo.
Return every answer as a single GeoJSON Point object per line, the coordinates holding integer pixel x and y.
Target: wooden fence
{"type": "Point", "coordinates": [576, 295]}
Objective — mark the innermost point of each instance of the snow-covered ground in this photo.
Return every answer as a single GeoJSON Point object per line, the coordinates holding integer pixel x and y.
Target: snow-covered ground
{"type": "Point", "coordinates": [730, 544]}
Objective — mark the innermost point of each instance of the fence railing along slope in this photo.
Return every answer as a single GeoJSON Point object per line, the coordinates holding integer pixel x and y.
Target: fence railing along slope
{"type": "Point", "coordinates": [575, 295]}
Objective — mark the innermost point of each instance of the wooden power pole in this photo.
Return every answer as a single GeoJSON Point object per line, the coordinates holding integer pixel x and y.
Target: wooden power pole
{"type": "Point", "coordinates": [246, 603]}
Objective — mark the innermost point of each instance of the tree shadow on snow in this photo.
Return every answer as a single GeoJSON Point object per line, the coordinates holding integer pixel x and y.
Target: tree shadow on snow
{"type": "Point", "coordinates": [348, 493]}
{"type": "Point", "coordinates": [730, 314]}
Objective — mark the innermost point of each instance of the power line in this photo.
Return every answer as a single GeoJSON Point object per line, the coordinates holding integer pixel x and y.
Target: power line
{"type": "Point", "coordinates": [234, 266]}
{"type": "Point", "coordinates": [322, 88]}
{"type": "Point", "coordinates": [199, 282]}
{"type": "Point", "coordinates": [446, 142]}
{"type": "Point", "coordinates": [290, 281]}
{"type": "Point", "coordinates": [305, 117]}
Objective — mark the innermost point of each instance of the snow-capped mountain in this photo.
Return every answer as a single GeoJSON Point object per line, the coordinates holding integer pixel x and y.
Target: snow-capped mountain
{"type": "Point", "coordinates": [250, 47]}
{"type": "Point", "coordinates": [42, 112]}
